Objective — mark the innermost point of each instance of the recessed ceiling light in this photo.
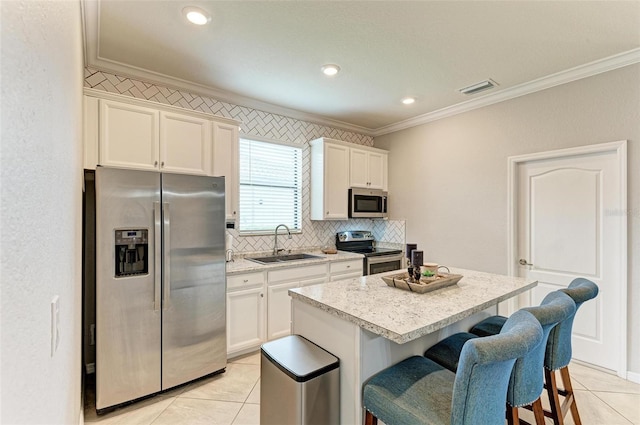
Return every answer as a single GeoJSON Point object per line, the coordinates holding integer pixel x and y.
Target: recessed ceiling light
{"type": "Point", "coordinates": [330, 70]}
{"type": "Point", "coordinates": [197, 16]}
{"type": "Point", "coordinates": [408, 100]}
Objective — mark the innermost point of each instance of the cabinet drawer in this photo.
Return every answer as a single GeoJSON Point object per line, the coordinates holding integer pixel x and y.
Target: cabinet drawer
{"type": "Point", "coordinates": [346, 267]}
{"type": "Point", "coordinates": [245, 280]}
{"type": "Point", "coordinates": [298, 273]}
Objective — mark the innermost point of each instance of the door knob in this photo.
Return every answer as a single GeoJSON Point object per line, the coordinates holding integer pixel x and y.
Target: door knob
{"type": "Point", "coordinates": [524, 262]}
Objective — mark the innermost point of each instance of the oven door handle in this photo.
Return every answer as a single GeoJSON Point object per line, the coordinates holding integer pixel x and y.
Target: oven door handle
{"type": "Point", "coordinates": [383, 258]}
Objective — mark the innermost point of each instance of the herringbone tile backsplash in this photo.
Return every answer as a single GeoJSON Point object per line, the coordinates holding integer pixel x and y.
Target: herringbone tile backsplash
{"type": "Point", "coordinates": [260, 123]}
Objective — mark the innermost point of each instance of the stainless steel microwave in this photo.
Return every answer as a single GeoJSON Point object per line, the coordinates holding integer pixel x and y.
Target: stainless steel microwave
{"type": "Point", "coordinates": [367, 203]}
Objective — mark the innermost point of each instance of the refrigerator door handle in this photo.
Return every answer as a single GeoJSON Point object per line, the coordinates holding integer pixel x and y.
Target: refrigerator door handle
{"type": "Point", "coordinates": [166, 265]}
{"type": "Point", "coordinates": [157, 256]}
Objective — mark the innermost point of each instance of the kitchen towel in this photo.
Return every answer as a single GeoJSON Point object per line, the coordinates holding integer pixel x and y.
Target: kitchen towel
{"type": "Point", "coordinates": [229, 241]}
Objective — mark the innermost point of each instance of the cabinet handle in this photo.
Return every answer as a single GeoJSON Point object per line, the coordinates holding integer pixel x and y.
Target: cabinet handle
{"type": "Point", "coordinates": [348, 267]}
{"type": "Point", "coordinates": [246, 280]}
{"type": "Point", "coordinates": [327, 212]}
{"type": "Point", "coordinates": [162, 164]}
{"type": "Point", "coordinates": [155, 164]}
{"type": "Point", "coordinates": [234, 213]}
{"type": "Point", "coordinates": [261, 295]}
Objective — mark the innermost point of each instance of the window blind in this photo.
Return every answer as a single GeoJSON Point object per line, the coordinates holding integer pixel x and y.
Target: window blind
{"type": "Point", "coordinates": [270, 186]}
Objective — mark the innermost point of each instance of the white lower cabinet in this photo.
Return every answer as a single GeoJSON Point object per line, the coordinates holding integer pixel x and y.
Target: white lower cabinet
{"type": "Point", "coordinates": [345, 270]}
{"type": "Point", "coordinates": [259, 305]}
{"type": "Point", "coordinates": [278, 299]}
{"type": "Point", "coordinates": [245, 312]}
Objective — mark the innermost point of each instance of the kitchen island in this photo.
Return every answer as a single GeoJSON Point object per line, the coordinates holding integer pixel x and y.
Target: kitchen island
{"type": "Point", "coordinates": [371, 326]}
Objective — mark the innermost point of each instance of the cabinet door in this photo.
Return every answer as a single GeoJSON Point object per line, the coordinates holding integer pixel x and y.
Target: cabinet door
{"type": "Point", "coordinates": [336, 182]}
{"type": "Point", "coordinates": [185, 144]}
{"type": "Point", "coordinates": [279, 310]}
{"type": "Point", "coordinates": [128, 136]}
{"type": "Point", "coordinates": [376, 165]}
{"type": "Point", "coordinates": [245, 319]}
{"type": "Point", "coordinates": [225, 163]}
{"type": "Point", "coordinates": [359, 168]}
{"type": "Point", "coordinates": [346, 270]}
{"type": "Point", "coordinates": [279, 306]}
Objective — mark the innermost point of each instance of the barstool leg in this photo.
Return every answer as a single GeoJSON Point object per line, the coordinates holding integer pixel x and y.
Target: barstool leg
{"type": "Point", "coordinates": [554, 401]}
{"type": "Point", "coordinates": [570, 396]}
{"type": "Point", "coordinates": [512, 415]}
{"type": "Point", "coordinates": [538, 412]}
{"type": "Point", "coordinates": [369, 419]}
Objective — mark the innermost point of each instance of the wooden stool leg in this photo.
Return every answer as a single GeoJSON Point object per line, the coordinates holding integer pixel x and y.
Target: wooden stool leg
{"type": "Point", "coordinates": [554, 401]}
{"type": "Point", "coordinates": [538, 412]}
{"type": "Point", "coordinates": [369, 419]}
{"type": "Point", "coordinates": [570, 396]}
{"type": "Point", "coordinates": [512, 415]}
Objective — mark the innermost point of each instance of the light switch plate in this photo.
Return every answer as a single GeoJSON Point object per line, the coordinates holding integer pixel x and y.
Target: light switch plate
{"type": "Point", "coordinates": [55, 324]}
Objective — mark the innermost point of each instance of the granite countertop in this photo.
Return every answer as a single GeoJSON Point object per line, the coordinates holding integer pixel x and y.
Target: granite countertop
{"type": "Point", "coordinates": [241, 265]}
{"type": "Point", "coordinates": [403, 316]}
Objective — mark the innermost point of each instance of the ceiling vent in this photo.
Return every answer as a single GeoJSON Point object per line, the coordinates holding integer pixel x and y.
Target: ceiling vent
{"type": "Point", "coordinates": [478, 87]}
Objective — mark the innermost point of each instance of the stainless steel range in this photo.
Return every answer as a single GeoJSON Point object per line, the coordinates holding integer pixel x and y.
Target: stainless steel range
{"type": "Point", "coordinates": [376, 260]}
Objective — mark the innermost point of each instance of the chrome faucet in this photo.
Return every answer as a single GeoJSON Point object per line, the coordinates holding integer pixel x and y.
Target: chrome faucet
{"type": "Point", "coordinates": [275, 242]}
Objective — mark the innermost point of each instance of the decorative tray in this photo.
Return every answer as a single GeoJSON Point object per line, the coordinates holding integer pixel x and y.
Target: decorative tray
{"type": "Point", "coordinates": [442, 280]}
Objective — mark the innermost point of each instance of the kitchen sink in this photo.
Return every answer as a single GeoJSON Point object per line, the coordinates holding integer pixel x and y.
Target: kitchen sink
{"type": "Point", "coordinates": [283, 258]}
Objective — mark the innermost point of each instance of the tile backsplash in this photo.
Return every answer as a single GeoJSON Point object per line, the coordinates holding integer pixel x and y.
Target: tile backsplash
{"type": "Point", "coordinates": [272, 126]}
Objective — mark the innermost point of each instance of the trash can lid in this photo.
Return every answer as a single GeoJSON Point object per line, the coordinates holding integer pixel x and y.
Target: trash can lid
{"type": "Point", "coordinates": [299, 358]}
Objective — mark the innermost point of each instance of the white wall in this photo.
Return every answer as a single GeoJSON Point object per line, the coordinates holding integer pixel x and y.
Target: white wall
{"type": "Point", "coordinates": [449, 177]}
{"type": "Point", "coordinates": [41, 219]}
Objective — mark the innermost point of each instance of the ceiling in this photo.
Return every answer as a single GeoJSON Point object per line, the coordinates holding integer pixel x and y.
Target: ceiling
{"type": "Point", "coordinates": [267, 55]}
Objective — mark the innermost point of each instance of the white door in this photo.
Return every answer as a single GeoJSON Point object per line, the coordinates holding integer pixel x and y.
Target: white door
{"type": "Point", "coordinates": [128, 136]}
{"type": "Point", "coordinates": [336, 182]}
{"type": "Point", "coordinates": [358, 168]}
{"type": "Point", "coordinates": [225, 163]}
{"type": "Point", "coordinates": [185, 144]}
{"type": "Point", "coordinates": [376, 170]}
{"type": "Point", "coordinates": [279, 309]}
{"type": "Point", "coordinates": [245, 319]}
{"type": "Point", "coordinates": [571, 223]}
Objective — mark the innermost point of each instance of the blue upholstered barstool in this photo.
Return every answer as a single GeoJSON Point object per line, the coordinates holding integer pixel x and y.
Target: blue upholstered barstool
{"type": "Point", "coordinates": [558, 351]}
{"type": "Point", "coordinates": [526, 383]}
{"type": "Point", "coordinates": [420, 391]}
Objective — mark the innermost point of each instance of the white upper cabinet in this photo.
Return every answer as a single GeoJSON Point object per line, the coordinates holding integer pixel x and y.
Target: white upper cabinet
{"type": "Point", "coordinates": [225, 163]}
{"type": "Point", "coordinates": [185, 144]}
{"type": "Point", "coordinates": [144, 138]}
{"type": "Point", "coordinates": [335, 167]}
{"type": "Point", "coordinates": [129, 136]}
{"type": "Point", "coordinates": [124, 132]}
{"type": "Point", "coordinates": [368, 169]}
{"type": "Point", "coordinates": [329, 180]}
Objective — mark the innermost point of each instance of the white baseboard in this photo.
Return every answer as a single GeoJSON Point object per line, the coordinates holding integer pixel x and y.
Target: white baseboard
{"type": "Point", "coordinates": [238, 353]}
{"type": "Point", "coordinates": [90, 368]}
{"type": "Point", "coordinates": [81, 414]}
{"type": "Point", "coordinates": [633, 377]}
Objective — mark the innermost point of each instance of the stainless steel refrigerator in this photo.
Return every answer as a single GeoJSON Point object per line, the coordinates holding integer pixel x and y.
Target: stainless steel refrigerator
{"type": "Point", "coordinates": [160, 282]}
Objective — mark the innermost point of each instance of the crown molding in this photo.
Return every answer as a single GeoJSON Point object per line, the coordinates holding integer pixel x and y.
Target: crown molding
{"type": "Point", "coordinates": [91, 26]}
{"type": "Point", "coordinates": [579, 72]}
{"type": "Point", "coordinates": [93, 59]}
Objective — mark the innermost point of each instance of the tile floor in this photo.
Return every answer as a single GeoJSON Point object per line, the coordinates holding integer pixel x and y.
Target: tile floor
{"type": "Point", "coordinates": [233, 398]}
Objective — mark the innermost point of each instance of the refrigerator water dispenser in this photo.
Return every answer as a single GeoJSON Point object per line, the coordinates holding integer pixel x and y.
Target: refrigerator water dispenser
{"type": "Point", "coordinates": [132, 249]}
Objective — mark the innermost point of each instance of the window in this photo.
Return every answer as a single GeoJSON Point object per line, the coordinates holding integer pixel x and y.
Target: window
{"type": "Point", "coordinates": [270, 186]}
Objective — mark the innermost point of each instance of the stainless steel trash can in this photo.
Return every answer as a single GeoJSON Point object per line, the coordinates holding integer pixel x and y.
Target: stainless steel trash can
{"type": "Point", "coordinates": [299, 383]}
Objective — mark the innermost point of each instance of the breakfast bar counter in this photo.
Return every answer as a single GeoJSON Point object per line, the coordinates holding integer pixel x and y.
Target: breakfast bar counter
{"type": "Point", "coordinates": [370, 326]}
